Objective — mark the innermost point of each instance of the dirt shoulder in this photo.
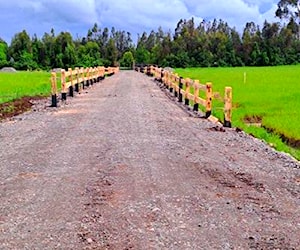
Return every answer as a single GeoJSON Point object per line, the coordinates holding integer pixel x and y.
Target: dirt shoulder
{"type": "Point", "coordinates": [18, 106]}
{"type": "Point", "coordinates": [123, 167]}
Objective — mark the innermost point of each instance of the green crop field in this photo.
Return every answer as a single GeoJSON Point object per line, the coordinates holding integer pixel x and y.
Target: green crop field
{"type": "Point", "coordinates": [266, 96]}
{"type": "Point", "coordinates": [19, 84]}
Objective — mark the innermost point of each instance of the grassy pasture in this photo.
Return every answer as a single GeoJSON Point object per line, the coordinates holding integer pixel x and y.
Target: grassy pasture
{"type": "Point", "coordinates": [269, 96]}
{"type": "Point", "coordinates": [19, 84]}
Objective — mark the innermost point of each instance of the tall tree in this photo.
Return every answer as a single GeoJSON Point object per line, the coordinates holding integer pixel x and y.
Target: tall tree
{"type": "Point", "coordinates": [289, 9]}
{"type": "Point", "coordinates": [122, 41]}
{"type": "Point", "coordinates": [251, 40]}
{"type": "Point", "coordinates": [111, 53]}
{"type": "Point", "coordinates": [38, 51]}
{"type": "Point", "coordinates": [48, 51]}
{"type": "Point", "coordinates": [65, 51]}
{"type": "Point", "coordinates": [270, 33]}
{"type": "Point", "coordinates": [21, 52]}
{"type": "Point", "coordinates": [20, 44]}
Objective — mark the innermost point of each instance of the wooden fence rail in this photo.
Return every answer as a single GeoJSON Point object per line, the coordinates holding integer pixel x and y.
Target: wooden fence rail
{"type": "Point", "coordinates": [74, 80]}
{"type": "Point", "coordinates": [192, 92]}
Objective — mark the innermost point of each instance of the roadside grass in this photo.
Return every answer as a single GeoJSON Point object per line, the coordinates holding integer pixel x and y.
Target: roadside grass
{"type": "Point", "coordinates": [16, 85]}
{"type": "Point", "coordinates": [266, 101]}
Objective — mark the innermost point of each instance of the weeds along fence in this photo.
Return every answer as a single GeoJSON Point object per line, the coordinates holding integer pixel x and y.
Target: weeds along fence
{"type": "Point", "coordinates": [192, 92]}
{"type": "Point", "coordinates": [74, 80]}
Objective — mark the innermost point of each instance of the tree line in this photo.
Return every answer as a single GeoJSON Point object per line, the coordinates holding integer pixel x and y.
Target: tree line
{"type": "Point", "coordinates": [208, 44]}
{"type": "Point", "coordinates": [216, 44]}
{"type": "Point", "coordinates": [98, 47]}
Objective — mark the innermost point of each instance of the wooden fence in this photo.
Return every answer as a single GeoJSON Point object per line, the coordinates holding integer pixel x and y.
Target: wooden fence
{"type": "Point", "coordinates": [77, 79]}
{"type": "Point", "coordinates": [189, 92]}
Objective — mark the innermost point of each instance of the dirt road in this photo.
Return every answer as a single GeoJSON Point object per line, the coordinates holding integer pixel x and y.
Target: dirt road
{"type": "Point", "coordinates": [123, 167]}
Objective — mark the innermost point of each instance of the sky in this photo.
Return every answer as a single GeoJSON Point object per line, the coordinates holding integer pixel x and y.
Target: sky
{"type": "Point", "coordinates": [134, 16]}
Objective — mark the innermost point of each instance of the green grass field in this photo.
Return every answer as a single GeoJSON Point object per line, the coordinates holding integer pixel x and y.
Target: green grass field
{"type": "Point", "coordinates": [270, 96]}
{"type": "Point", "coordinates": [19, 84]}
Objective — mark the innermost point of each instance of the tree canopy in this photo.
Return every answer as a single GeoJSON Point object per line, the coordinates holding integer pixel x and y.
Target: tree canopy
{"type": "Point", "coordinates": [290, 10]}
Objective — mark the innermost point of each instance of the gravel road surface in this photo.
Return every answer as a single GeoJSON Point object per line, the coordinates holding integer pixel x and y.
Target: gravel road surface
{"type": "Point", "coordinates": [122, 166]}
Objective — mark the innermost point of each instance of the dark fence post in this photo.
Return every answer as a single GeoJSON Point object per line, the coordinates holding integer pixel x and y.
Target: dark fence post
{"type": "Point", "coordinates": [171, 82]}
{"type": "Point", "coordinates": [187, 91]}
{"type": "Point", "coordinates": [196, 107]}
{"type": "Point", "coordinates": [71, 91]}
{"type": "Point", "coordinates": [71, 88]}
{"type": "Point", "coordinates": [167, 79]}
{"type": "Point", "coordinates": [92, 77]}
{"type": "Point", "coordinates": [87, 77]}
{"type": "Point", "coordinates": [148, 71]}
{"type": "Point", "coordinates": [77, 80]}
{"type": "Point", "coordinates": [53, 90]}
{"type": "Point", "coordinates": [54, 101]}
{"type": "Point", "coordinates": [64, 96]}
{"type": "Point", "coordinates": [175, 90]}
{"type": "Point", "coordinates": [196, 95]}
{"type": "Point", "coordinates": [180, 88]}
{"type": "Point", "coordinates": [161, 75]}
{"type": "Point", "coordinates": [63, 85]}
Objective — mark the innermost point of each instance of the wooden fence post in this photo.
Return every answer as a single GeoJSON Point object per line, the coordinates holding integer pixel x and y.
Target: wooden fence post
{"type": "Point", "coordinates": [196, 94]}
{"type": "Point", "coordinates": [148, 71]}
{"type": "Point", "coordinates": [77, 80]}
{"type": "Point", "coordinates": [82, 76]}
{"type": "Point", "coordinates": [167, 79]}
{"type": "Point", "coordinates": [180, 88]}
{"type": "Point", "coordinates": [161, 75]}
{"type": "Point", "coordinates": [87, 77]}
{"type": "Point", "coordinates": [164, 80]}
{"type": "Point", "coordinates": [95, 74]}
{"type": "Point", "coordinates": [176, 78]}
{"type": "Point", "coordinates": [71, 88]}
{"type": "Point", "coordinates": [99, 74]}
{"type": "Point", "coordinates": [53, 89]}
{"type": "Point", "coordinates": [63, 85]}
{"type": "Point", "coordinates": [187, 91]}
{"type": "Point", "coordinates": [103, 73]}
{"type": "Point", "coordinates": [209, 95]}
{"type": "Point", "coordinates": [91, 76]}
{"type": "Point", "coordinates": [152, 70]}
{"type": "Point", "coordinates": [228, 107]}
{"type": "Point", "coordinates": [171, 77]}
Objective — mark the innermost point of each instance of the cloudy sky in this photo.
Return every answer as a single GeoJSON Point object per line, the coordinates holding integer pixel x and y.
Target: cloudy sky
{"type": "Point", "coordinates": [135, 16]}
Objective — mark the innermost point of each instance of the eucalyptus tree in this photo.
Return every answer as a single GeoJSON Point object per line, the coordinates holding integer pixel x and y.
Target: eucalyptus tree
{"type": "Point", "coordinates": [290, 10]}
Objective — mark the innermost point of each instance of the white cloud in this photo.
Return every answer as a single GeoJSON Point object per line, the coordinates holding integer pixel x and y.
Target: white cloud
{"type": "Point", "coordinates": [143, 14]}
{"type": "Point", "coordinates": [236, 12]}
{"type": "Point", "coordinates": [136, 16]}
